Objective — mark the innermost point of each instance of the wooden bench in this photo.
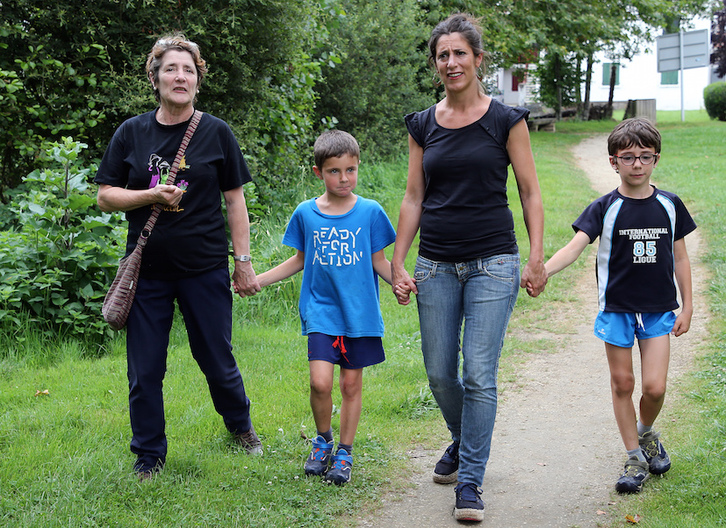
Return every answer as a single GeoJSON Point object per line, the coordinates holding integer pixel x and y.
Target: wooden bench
{"type": "Point", "coordinates": [545, 124]}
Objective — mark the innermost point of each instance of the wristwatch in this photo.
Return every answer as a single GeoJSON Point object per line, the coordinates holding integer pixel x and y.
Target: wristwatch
{"type": "Point", "coordinates": [241, 258]}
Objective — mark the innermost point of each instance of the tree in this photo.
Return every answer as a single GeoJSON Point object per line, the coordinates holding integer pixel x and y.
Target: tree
{"type": "Point", "coordinates": [570, 31]}
{"type": "Point", "coordinates": [45, 92]}
{"type": "Point", "coordinates": [381, 74]}
{"type": "Point", "coordinates": [76, 67]}
{"type": "Point", "coordinates": [718, 41]}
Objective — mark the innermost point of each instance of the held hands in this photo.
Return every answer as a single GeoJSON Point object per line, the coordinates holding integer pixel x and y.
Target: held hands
{"type": "Point", "coordinates": [244, 281]}
{"type": "Point", "coordinates": [534, 278]}
{"type": "Point", "coordinates": [402, 285]}
{"type": "Point", "coordinates": [403, 291]}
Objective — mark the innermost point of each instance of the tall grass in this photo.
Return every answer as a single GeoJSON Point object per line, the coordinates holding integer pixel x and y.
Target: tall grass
{"type": "Point", "coordinates": [65, 457]}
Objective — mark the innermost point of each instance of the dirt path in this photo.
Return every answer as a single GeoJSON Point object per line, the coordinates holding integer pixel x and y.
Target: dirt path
{"type": "Point", "coordinates": [556, 451]}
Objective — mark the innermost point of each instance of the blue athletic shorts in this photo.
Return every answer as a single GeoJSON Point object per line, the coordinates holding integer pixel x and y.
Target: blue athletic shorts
{"type": "Point", "coordinates": [348, 352]}
{"type": "Point", "coordinates": [621, 328]}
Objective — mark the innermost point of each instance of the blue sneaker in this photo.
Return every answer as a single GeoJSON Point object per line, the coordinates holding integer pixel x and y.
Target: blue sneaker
{"type": "Point", "coordinates": [341, 464]}
{"type": "Point", "coordinates": [469, 506]}
{"type": "Point", "coordinates": [658, 460]}
{"type": "Point", "coordinates": [447, 468]}
{"type": "Point", "coordinates": [317, 462]}
{"type": "Point", "coordinates": [631, 481]}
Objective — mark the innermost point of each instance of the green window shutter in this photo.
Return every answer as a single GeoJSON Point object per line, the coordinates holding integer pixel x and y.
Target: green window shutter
{"type": "Point", "coordinates": [606, 73]}
{"type": "Point", "coordinates": [669, 77]}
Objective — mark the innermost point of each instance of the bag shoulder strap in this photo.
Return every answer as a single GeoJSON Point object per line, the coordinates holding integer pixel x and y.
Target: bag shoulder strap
{"type": "Point", "coordinates": [146, 231]}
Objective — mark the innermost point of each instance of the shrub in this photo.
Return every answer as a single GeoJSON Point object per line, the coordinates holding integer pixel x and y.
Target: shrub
{"type": "Point", "coordinates": [58, 252]}
{"type": "Point", "coordinates": [714, 97]}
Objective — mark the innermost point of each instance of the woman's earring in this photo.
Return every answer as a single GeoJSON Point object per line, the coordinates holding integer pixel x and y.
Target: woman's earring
{"type": "Point", "coordinates": [436, 79]}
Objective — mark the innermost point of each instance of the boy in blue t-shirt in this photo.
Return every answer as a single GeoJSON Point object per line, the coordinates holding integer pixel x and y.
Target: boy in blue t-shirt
{"type": "Point", "coordinates": [642, 246]}
{"type": "Point", "coordinates": [339, 238]}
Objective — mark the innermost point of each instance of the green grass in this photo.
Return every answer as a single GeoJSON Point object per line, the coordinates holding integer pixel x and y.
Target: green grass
{"type": "Point", "coordinates": [65, 457]}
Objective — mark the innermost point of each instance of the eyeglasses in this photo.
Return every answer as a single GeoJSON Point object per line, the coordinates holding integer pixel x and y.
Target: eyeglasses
{"type": "Point", "coordinates": [645, 159]}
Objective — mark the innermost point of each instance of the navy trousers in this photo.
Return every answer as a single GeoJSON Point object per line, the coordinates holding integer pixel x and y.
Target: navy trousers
{"type": "Point", "coordinates": [205, 302]}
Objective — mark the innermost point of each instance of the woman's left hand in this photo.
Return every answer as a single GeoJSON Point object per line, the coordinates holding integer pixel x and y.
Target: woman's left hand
{"type": "Point", "coordinates": [244, 280]}
{"type": "Point", "coordinates": [534, 278]}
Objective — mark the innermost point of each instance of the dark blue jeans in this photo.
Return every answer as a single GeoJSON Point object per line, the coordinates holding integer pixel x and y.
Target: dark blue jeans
{"type": "Point", "coordinates": [205, 302]}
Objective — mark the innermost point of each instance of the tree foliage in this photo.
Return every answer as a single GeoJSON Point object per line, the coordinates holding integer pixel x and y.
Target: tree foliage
{"type": "Point", "coordinates": [718, 41]}
{"type": "Point", "coordinates": [46, 90]}
{"type": "Point", "coordinates": [569, 32]}
{"type": "Point", "coordinates": [380, 74]}
{"type": "Point", "coordinates": [280, 70]}
{"type": "Point", "coordinates": [76, 67]}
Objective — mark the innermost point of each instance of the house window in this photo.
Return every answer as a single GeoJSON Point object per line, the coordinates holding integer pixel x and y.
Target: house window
{"type": "Point", "coordinates": [606, 69]}
{"type": "Point", "coordinates": [669, 77]}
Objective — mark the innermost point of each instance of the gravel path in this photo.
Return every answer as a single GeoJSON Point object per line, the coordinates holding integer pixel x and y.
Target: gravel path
{"type": "Point", "coordinates": [556, 451]}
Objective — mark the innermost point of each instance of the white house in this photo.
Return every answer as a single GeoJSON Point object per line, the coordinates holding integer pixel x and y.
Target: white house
{"type": "Point", "coordinates": [635, 79]}
{"type": "Point", "coordinates": [639, 79]}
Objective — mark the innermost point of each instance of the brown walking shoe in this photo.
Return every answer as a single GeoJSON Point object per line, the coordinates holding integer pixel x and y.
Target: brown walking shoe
{"type": "Point", "coordinates": [249, 441]}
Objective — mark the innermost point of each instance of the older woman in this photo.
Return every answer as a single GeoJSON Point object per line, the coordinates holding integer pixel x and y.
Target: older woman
{"type": "Point", "coordinates": [186, 258]}
{"type": "Point", "coordinates": [467, 271]}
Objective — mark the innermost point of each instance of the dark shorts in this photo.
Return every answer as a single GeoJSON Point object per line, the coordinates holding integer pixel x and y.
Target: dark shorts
{"type": "Point", "coordinates": [348, 352]}
{"type": "Point", "coordinates": [621, 328]}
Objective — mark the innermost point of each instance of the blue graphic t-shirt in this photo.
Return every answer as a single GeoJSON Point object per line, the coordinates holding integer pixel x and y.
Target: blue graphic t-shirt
{"type": "Point", "coordinates": [339, 294]}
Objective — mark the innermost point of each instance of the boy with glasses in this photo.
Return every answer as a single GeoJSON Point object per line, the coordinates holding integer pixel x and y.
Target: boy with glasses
{"type": "Point", "coordinates": [642, 247]}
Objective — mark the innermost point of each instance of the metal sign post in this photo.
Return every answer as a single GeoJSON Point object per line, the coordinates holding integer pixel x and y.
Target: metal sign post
{"type": "Point", "coordinates": [681, 51]}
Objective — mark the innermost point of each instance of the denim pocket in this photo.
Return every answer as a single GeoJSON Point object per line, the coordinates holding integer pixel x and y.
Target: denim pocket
{"type": "Point", "coordinates": [424, 269]}
{"type": "Point", "coordinates": [501, 268]}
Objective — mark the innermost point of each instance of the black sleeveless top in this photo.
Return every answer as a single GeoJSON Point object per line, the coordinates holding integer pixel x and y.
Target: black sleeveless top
{"type": "Point", "coordinates": [465, 213]}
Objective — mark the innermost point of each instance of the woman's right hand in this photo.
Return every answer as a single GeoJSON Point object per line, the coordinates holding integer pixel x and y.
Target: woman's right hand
{"type": "Point", "coordinates": [169, 195]}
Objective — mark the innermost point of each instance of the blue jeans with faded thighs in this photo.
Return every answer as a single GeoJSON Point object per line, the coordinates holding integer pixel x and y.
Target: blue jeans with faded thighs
{"type": "Point", "coordinates": [480, 295]}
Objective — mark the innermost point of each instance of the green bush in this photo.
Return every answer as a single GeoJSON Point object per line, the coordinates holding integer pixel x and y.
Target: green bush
{"type": "Point", "coordinates": [714, 97]}
{"type": "Point", "coordinates": [58, 252]}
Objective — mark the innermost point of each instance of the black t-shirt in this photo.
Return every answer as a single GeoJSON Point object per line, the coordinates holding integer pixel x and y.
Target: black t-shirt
{"type": "Point", "coordinates": [191, 239]}
{"type": "Point", "coordinates": [465, 213]}
{"type": "Point", "coordinates": [635, 266]}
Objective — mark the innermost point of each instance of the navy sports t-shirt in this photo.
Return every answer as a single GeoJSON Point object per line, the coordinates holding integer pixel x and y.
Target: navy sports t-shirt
{"type": "Point", "coordinates": [635, 265]}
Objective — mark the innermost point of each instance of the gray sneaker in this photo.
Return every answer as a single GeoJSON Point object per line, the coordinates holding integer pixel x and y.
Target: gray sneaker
{"type": "Point", "coordinates": [658, 460]}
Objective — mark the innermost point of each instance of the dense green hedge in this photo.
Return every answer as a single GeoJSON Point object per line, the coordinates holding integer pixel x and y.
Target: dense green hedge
{"type": "Point", "coordinates": [714, 98]}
